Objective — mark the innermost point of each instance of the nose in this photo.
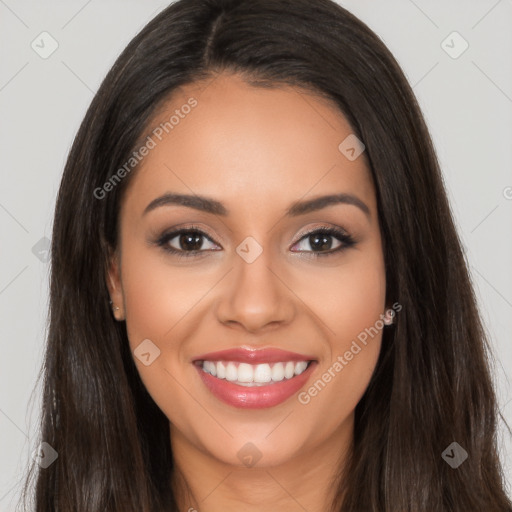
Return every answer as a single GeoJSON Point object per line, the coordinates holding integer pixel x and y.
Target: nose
{"type": "Point", "coordinates": [255, 297]}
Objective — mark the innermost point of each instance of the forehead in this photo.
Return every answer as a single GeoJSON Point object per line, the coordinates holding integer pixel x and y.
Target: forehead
{"type": "Point", "coordinates": [251, 147]}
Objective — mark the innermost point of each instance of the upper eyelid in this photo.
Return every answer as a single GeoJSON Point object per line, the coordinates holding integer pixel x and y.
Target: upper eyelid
{"type": "Point", "coordinates": [170, 235]}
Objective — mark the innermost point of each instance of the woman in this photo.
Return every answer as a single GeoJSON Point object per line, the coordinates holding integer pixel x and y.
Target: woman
{"type": "Point", "coordinates": [259, 300]}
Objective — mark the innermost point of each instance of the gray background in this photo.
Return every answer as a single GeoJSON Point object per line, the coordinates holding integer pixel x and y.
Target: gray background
{"type": "Point", "coordinates": [467, 102]}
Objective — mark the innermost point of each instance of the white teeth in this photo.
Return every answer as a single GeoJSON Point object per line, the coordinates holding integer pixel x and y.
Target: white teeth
{"type": "Point", "coordinates": [221, 370]}
{"type": "Point", "coordinates": [278, 372]}
{"type": "Point", "coordinates": [231, 372]}
{"type": "Point", "coordinates": [211, 367]}
{"type": "Point", "coordinates": [289, 370]}
{"type": "Point", "coordinates": [262, 373]}
{"type": "Point", "coordinates": [245, 373]}
{"type": "Point", "coordinates": [254, 375]}
{"type": "Point", "coordinates": [299, 367]}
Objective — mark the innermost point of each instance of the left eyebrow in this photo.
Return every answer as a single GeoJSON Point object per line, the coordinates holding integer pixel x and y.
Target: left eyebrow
{"type": "Point", "coordinates": [209, 205]}
{"type": "Point", "coordinates": [303, 207]}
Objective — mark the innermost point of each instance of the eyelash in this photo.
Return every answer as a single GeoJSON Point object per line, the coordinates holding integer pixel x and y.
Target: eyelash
{"type": "Point", "coordinates": [344, 238]}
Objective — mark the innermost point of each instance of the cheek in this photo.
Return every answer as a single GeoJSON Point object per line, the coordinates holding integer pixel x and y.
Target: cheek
{"type": "Point", "coordinates": [159, 299]}
{"type": "Point", "coordinates": [346, 298]}
{"type": "Point", "coordinates": [157, 295]}
{"type": "Point", "coordinates": [350, 301]}
{"type": "Point", "coordinates": [357, 302]}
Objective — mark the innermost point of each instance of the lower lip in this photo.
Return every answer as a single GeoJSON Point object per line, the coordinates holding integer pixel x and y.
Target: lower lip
{"type": "Point", "coordinates": [256, 397]}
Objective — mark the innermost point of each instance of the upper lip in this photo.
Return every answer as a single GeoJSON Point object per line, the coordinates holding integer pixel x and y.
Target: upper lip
{"type": "Point", "coordinates": [253, 356]}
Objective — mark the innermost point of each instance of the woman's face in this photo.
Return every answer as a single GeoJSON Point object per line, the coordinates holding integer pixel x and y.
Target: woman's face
{"type": "Point", "coordinates": [241, 171]}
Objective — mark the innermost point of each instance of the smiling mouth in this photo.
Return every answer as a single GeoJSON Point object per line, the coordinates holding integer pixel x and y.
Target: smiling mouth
{"type": "Point", "coordinates": [253, 375]}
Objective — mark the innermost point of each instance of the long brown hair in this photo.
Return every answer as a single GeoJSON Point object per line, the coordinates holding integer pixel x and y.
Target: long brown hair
{"type": "Point", "coordinates": [432, 383]}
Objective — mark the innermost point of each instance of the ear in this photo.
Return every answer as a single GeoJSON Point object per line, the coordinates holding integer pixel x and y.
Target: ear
{"type": "Point", "coordinates": [115, 289]}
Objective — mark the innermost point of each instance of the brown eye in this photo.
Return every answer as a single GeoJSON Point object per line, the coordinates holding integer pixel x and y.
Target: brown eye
{"type": "Point", "coordinates": [320, 241]}
{"type": "Point", "coordinates": [186, 242]}
{"type": "Point", "coordinates": [192, 242]}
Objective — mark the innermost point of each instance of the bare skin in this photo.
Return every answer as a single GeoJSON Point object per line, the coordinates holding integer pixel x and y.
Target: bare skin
{"type": "Point", "coordinates": [256, 151]}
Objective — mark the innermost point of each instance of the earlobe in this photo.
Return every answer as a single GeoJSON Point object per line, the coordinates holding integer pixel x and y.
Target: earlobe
{"type": "Point", "coordinates": [389, 315]}
{"type": "Point", "coordinates": [113, 281]}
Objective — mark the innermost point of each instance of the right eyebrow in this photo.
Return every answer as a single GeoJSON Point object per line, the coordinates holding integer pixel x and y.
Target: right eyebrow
{"type": "Point", "coordinates": [202, 203]}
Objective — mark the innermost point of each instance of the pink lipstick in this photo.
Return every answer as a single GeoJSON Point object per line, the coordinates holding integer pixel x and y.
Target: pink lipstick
{"type": "Point", "coordinates": [254, 379]}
